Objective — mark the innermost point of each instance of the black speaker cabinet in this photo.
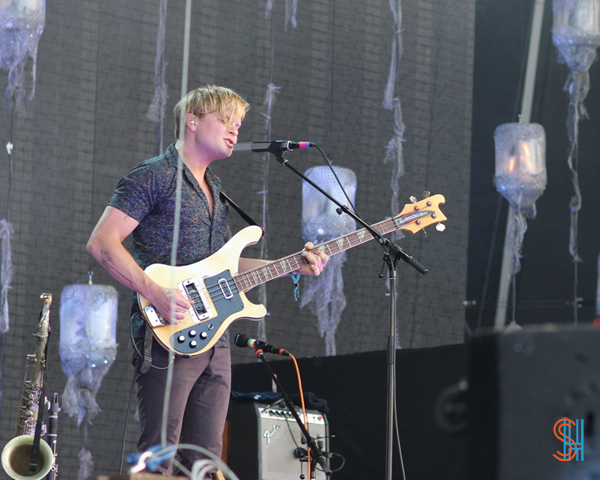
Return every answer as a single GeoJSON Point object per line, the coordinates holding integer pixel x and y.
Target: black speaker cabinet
{"type": "Point", "coordinates": [263, 442]}
{"type": "Point", "coordinates": [520, 385]}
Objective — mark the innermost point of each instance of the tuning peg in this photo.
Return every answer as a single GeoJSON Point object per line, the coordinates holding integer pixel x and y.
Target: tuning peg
{"type": "Point", "coordinates": [440, 227]}
{"type": "Point", "coordinates": [425, 194]}
{"type": "Point", "coordinates": [413, 199]}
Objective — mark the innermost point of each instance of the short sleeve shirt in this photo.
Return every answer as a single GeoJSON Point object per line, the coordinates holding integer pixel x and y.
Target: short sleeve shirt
{"type": "Point", "coordinates": [148, 194]}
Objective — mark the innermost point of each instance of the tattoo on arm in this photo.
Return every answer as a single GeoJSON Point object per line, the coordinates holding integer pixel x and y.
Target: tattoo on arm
{"type": "Point", "coordinates": [106, 262]}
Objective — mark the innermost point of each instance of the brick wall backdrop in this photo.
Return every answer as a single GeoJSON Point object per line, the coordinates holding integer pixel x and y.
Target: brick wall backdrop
{"type": "Point", "coordinates": [87, 126]}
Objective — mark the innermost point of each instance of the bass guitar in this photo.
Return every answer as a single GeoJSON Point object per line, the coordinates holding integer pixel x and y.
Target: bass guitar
{"type": "Point", "coordinates": [217, 291]}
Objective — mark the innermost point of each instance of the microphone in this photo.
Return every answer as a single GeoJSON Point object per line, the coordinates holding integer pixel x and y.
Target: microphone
{"type": "Point", "coordinates": [276, 146]}
{"type": "Point", "coordinates": [242, 340]}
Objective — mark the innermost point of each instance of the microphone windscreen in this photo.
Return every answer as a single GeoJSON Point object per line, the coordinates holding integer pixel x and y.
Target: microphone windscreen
{"type": "Point", "coordinates": [241, 340]}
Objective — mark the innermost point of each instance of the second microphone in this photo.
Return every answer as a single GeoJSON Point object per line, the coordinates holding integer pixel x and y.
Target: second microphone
{"type": "Point", "coordinates": [242, 340]}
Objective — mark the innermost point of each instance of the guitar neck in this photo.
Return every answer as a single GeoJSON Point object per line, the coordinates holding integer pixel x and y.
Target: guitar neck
{"type": "Point", "coordinates": [257, 276]}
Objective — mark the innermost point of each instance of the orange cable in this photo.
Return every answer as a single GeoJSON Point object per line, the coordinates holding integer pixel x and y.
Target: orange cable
{"type": "Point", "coordinates": [303, 409]}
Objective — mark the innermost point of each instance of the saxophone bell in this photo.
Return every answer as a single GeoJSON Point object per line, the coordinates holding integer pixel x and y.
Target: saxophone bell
{"type": "Point", "coordinates": [16, 458]}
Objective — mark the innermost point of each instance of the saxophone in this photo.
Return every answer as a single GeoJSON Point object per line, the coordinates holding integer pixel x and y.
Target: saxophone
{"type": "Point", "coordinates": [16, 455]}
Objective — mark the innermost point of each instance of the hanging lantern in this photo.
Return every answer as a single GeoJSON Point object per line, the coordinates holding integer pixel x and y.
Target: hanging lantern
{"type": "Point", "coordinates": [320, 223]}
{"type": "Point", "coordinates": [521, 165]}
{"type": "Point", "coordinates": [21, 26]}
{"type": "Point", "coordinates": [576, 32]}
{"type": "Point", "coordinates": [88, 323]}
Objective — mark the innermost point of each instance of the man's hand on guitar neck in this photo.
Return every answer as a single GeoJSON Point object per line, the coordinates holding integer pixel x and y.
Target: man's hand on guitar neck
{"type": "Point", "coordinates": [316, 260]}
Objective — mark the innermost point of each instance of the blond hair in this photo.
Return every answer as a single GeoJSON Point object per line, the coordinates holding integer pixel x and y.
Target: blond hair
{"type": "Point", "coordinates": [209, 99]}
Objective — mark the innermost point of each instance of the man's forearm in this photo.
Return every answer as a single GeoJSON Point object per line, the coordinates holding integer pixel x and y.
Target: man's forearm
{"type": "Point", "coordinates": [119, 263]}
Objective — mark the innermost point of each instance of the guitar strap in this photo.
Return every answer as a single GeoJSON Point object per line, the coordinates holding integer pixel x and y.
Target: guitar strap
{"type": "Point", "coordinates": [238, 209]}
{"type": "Point", "coordinates": [147, 351]}
{"type": "Point", "coordinates": [147, 363]}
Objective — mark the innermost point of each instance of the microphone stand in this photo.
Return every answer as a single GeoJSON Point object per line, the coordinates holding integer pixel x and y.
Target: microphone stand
{"type": "Point", "coordinates": [315, 451]}
{"type": "Point", "coordinates": [392, 254]}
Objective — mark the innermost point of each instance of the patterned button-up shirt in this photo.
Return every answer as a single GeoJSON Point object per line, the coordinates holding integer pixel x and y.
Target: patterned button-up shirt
{"type": "Point", "coordinates": [148, 194]}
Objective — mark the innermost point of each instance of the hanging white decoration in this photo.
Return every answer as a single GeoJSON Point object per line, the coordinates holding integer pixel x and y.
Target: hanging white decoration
{"type": "Point", "coordinates": [156, 111]}
{"type": "Point", "coordinates": [521, 178]}
{"type": "Point", "coordinates": [576, 35]}
{"type": "Point", "coordinates": [270, 96]}
{"type": "Point", "coordinates": [87, 347]}
{"type": "Point", "coordinates": [291, 6]}
{"type": "Point", "coordinates": [6, 231]}
{"type": "Point", "coordinates": [320, 222]}
{"type": "Point", "coordinates": [21, 26]}
{"type": "Point", "coordinates": [267, 105]}
{"type": "Point", "coordinates": [394, 154]}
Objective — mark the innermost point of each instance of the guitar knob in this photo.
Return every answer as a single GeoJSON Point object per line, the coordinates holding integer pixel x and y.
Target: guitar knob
{"type": "Point", "coordinates": [180, 339]}
{"type": "Point", "coordinates": [193, 344]}
{"type": "Point", "coordinates": [203, 335]}
{"type": "Point", "coordinates": [192, 333]}
{"type": "Point", "coordinates": [210, 326]}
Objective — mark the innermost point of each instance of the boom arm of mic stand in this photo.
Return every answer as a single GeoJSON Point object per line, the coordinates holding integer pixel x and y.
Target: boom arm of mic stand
{"type": "Point", "coordinates": [393, 251]}
{"type": "Point", "coordinates": [310, 441]}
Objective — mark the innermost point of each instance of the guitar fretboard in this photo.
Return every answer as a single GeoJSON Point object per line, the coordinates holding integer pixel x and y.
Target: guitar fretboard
{"type": "Point", "coordinates": [257, 276]}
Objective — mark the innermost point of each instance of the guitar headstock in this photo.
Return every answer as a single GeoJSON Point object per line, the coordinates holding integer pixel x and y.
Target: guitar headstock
{"type": "Point", "coordinates": [419, 215]}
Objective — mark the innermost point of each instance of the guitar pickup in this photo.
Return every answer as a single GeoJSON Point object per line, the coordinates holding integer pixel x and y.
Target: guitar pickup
{"type": "Point", "coordinates": [200, 309]}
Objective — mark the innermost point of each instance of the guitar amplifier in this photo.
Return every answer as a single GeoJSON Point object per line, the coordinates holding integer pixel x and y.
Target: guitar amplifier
{"type": "Point", "coordinates": [264, 442]}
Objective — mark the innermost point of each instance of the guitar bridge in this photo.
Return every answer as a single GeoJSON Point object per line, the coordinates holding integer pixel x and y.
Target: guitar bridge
{"type": "Point", "coordinates": [200, 309]}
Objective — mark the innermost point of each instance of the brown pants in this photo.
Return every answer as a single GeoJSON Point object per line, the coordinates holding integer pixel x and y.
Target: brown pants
{"type": "Point", "coordinates": [198, 403]}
